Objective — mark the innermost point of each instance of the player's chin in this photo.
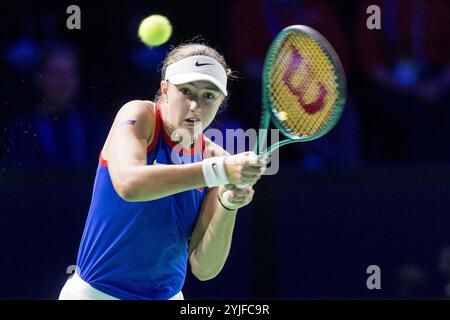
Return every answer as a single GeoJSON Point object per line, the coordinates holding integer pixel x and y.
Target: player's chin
{"type": "Point", "coordinates": [194, 127]}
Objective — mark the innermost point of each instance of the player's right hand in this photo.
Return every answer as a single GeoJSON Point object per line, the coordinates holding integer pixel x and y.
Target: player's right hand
{"type": "Point", "coordinates": [244, 168]}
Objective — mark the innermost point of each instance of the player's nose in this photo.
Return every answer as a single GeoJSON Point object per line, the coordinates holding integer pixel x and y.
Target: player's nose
{"type": "Point", "coordinates": [194, 105]}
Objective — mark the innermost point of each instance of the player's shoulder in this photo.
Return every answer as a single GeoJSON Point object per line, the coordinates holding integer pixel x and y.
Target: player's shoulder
{"type": "Point", "coordinates": [213, 149]}
{"type": "Point", "coordinates": [140, 114]}
{"type": "Point", "coordinates": [141, 111]}
{"type": "Point", "coordinates": [138, 108]}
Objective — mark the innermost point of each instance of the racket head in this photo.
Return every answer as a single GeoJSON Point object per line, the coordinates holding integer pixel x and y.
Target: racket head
{"type": "Point", "coordinates": [304, 84]}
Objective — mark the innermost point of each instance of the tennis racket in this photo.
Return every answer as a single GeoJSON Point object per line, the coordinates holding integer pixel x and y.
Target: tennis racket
{"type": "Point", "coordinates": [303, 88]}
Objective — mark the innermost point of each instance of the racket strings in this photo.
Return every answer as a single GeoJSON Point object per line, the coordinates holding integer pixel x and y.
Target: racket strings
{"type": "Point", "coordinates": [304, 85]}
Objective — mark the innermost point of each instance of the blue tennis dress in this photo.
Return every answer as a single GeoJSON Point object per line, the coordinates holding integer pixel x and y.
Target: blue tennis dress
{"type": "Point", "coordinates": [139, 250]}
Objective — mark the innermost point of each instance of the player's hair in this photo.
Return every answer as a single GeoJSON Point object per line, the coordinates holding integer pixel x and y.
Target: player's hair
{"type": "Point", "coordinates": [189, 49]}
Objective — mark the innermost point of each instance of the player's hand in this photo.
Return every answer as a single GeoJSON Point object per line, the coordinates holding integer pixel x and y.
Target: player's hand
{"type": "Point", "coordinates": [235, 198]}
{"type": "Point", "coordinates": [244, 168]}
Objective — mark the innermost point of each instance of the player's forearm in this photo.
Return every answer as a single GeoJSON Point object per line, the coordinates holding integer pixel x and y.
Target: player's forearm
{"type": "Point", "coordinates": [144, 183]}
{"type": "Point", "coordinates": [211, 252]}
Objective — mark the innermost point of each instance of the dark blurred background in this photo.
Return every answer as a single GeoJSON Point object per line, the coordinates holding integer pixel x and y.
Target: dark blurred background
{"type": "Point", "coordinates": [374, 191]}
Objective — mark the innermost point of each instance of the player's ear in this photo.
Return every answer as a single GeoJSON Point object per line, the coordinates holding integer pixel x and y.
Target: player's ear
{"type": "Point", "coordinates": [164, 87]}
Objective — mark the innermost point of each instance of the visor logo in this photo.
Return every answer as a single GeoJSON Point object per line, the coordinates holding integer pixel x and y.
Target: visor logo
{"type": "Point", "coordinates": [198, 64]}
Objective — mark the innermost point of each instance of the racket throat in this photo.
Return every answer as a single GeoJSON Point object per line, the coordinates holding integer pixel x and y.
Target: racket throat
{"type": "Point", "coordinates": [261, 139]}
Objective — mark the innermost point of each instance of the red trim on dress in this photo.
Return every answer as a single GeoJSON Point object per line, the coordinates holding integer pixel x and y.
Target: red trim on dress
{"type": "Point", "coordinates": [102, 161]}
{"type": "Point", "coordinates": [203, 147]}
{"type": "Point", "coordinates": [157, 129]}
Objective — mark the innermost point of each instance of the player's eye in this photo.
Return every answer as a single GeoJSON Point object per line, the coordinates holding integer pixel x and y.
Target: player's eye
{"type": "Point", "coordinates": [209, 96]}
{"type": "Point", "coordinates": [185, 91]}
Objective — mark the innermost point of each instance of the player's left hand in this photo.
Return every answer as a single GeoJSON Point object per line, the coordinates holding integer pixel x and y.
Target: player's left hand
{"type": "Point", "coordinates": [237, 198]}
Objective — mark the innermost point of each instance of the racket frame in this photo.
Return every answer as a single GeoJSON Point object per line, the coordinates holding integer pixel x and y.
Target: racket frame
{"type": "Point", "coordinates": [268, 110]}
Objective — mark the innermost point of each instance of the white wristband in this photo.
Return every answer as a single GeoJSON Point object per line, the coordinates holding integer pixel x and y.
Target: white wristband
{"type": "Point", "coordinates": [214, 171]}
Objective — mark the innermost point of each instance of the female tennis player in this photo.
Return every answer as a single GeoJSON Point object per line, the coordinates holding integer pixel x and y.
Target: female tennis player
{"type": "Point", "coordinates": [158, 200]}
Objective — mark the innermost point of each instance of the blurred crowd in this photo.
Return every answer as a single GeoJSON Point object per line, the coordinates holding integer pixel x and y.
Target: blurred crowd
{"type": "Point", "coordinates": [60, 88]}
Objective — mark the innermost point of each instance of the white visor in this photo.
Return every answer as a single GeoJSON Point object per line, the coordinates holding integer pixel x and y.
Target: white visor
{"type": "Point", "coordinates": [196, 68]}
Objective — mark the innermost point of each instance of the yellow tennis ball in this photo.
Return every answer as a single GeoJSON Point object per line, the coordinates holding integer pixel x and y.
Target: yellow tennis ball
{"type": "Point", "coordinates": [282, 115]}
{"type": "Point", "coordinates": [155, 30]}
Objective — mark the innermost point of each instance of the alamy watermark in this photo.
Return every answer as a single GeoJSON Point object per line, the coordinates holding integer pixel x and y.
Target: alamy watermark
{"type": "Point", "coordinates": [234, 141]}
{"type": "Point", "coordinates": [74, 20]}
{"type": "Point", "coordinates": [72, 269]}
{"type": "Point", "coordinates": [374, 20]}
{"type": "Point", "coordinates": [374, 280]}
